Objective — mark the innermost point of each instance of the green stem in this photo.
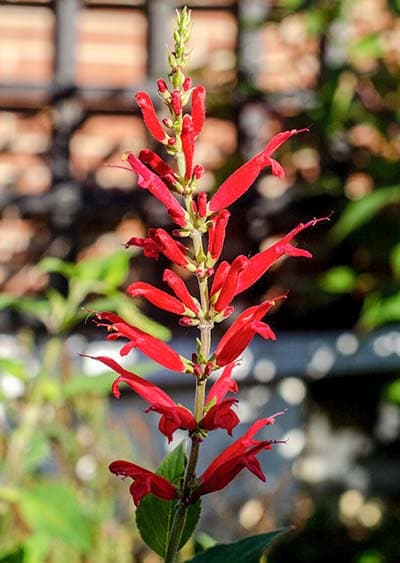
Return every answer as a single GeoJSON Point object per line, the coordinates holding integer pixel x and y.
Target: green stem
{"type": "Point", "coordinates": [182, 507]}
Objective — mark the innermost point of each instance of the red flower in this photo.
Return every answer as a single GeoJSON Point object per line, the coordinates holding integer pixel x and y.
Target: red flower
{"type": "Point", "coordinates": [150, 117]}
{"type": "Point", "coordinates": [157, 164]}
{"type": "Point", "coordinates": [219, 277]}
{"type": "Point", "coordinates": [228, 288]}
{"type": "Point", "coordinates": [242, 453]}
{"type": "Point", "coordinates": [169, 247]}
{"type": "Point", "coordinates": [155, 349]}
{"type": "Point", "coordinates": [153, 183]}
{"type": "Point", "coordinates": [176, 102]}
{"type": "Point", "coordinates": [259, 264]}
{"type": "Point", "coordinates": [173, 416]}
{"type": "Point", "coordinates": [181, 291]}
{"type": "Point", "coordinates": [219, 410]}
{"type": "Point", "coordinates": [198, 108]}
{"type": "Point", "coordinates": [241, 180]}
{"type": "Point", "coordinates": [159, 298]}
{"type": "Point", "coordinates": [242, 331]}
{"type": "Point", "coordinates": [144, 481]}
{"type": "Point", "coordinates": [216, 233]}
{"type": "Point", "coordinates": [188, 144]}
{"type": "Point", "coordinates": [202, 204]}
{"type": "Point", "coordinates": [150, 248]}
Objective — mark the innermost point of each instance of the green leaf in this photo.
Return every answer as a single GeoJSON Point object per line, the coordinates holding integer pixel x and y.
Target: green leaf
{"type": "Point", "coordinates": [338, 280]}
{"type": "Point", "coordinates": [36, 548]}
{"type": "Point", "coordinates": [52, 510]}
{"type": "Point", "coordinates": [367, 47]}
{"type": "Point", "coordinates": [53, 265]}
{"type": "Point", "coordinates": [392, 392]}
{"type": "Point", "coordinates": [15, 556]}
{"type": "Point", "coordinates": [14, 367]}
{"type": "Point", "coordinates": [248, 550]}
{"type": "Point", "coordinates": [378, 310]}
{"type": "Point", "coordinates": [110, 271]}
{"type": "Point", "coordinates": [37, 451]}
{"type": "Point", "coordinates": [154, 516]}
{"type": "Point", "coordinates": [395, 261]}
{"type": "Point", "coordinates": [359, 212]}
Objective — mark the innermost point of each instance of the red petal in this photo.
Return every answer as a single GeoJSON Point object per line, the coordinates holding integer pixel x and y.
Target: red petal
{"type": "Point", "coordinates": [150, 116]}
{"type": "Point", "coordinates": [198, 108]}
{"type": "Point", "coordinates": [145, 481]}
{"type": "Point", "coordinates": [156, 297]}
{"type": "Point", "coordinates": [262, 261]}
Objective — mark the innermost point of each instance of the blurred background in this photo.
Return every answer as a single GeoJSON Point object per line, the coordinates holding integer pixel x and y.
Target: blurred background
{"type": "Point", "coordinates": [68, 73]}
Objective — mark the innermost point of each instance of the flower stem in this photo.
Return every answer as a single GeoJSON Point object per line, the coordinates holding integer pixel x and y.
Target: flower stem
{"type": "Point", "coordinates": [183, 503]}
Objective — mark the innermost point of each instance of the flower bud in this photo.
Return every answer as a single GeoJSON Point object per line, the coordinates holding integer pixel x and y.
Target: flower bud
{"type": "Point", "coordinates": [176, 102]}
{"type": "Point", "coordinates": [187, 84]}
{"type": "Point", "coordinates": [162, 86]}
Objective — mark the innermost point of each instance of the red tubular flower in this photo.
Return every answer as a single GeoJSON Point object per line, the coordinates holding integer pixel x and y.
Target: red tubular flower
{"type": "Point", "coordinates": [162, 86]}
{"type": "Point", "coordinates": [157, 297]}
{"type": "Point", "coordinates": [153, 183]}
{"type": "Point", "coordinates": [229, 286]}
{"type": "Point", "coordinates": [188, 144]}
{"type": "Point", "coordinates": [154, 348]}
{"type": "Point", "coordinates": [150, 248]}
{"type": "Point", "coordinates": [181, 291]}
{"type": "Point", "coordinates": [198, 108]}
{"type": "Point", "coordinates": [242, 331]}
{"type": "Point", "coordinates": [176, 102]}
{"type": "Point", "coordinates": [173, 416]}
{"type": "Point", "coordinates": [144, 481]}
{"type": "Point", "coordinates": [260, 263]}
{"type": "Point", "coordinates": [241, 180]}
{"type": "Point", "coordinates": [187, 84]}
{"type": "Point", "coordinates": [220, 413]}
{"type": "Point", "coordinates": [223, 385]}
{"type": "Point", "coordinates": [202, 204]}
{"type": "Point", "coordinates": [242, 453]}
{"type": "Point", "coordinates": [219, 277]}
{"type": "Point", "coordinates": [216, 233]}
{"type": "Point", "coordinates": [157, 164]}
{"type": "Point", "coordinates": [168, 246]}
{"type": "Point", "coordinates": [150, 117]}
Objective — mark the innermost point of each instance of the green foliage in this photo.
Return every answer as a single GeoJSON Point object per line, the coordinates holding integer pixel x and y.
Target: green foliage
{"type": "Point", "coordinates": [248, 550]}
{"type": "Point", "coordinates": [359, 212]}
{"type": "Point", "coordinates": [340, 279]}
{"type": "Point", "coordinates": [154, 517]}
{"type": "Point", "coordinates": [93, 285]}
{"type": "Point", "coordinates": [52, 511]}
{"type": "Point", "coordinates": [392, 392]}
